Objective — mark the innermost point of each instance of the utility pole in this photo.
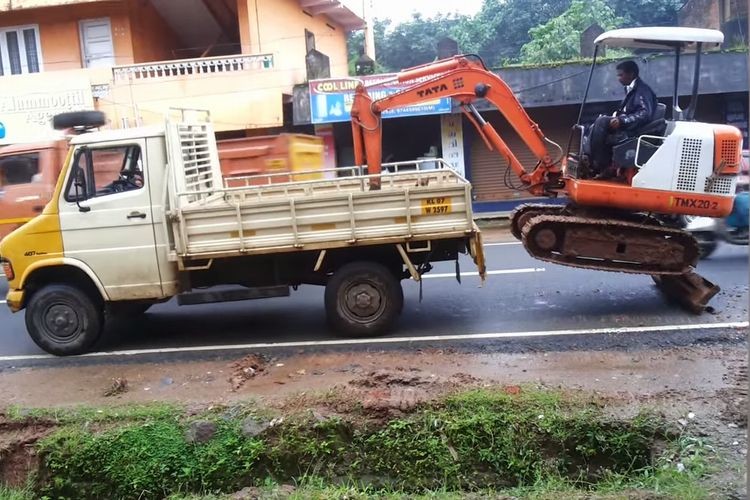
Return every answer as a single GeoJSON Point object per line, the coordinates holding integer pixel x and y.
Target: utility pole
{"type": "Point", "coordinates": [369, 29]}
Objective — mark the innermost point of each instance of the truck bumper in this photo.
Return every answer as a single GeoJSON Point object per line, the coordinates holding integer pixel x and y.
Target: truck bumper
{"type": "Point", "coordinates": [15, 299]}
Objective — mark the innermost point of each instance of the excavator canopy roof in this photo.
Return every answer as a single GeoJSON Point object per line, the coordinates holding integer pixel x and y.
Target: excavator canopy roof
{"type": "Point", "coordinates": [661, 37]}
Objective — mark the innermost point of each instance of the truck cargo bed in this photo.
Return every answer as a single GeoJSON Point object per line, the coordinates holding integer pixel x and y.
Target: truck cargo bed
{"type": "Point", "coordinates": [431, 204]}
{"type": "Point", "coordinates": [207, 218]}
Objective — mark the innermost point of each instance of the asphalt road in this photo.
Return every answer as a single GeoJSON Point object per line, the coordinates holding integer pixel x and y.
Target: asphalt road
{"type": "Point", "coordinates": [521, 295]}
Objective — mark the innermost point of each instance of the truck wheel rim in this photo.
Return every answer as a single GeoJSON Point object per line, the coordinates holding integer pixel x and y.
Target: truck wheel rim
{"type": "Point", "coordinates": [363, 302]}
{"type": "Point", "coordinates": [61, 323]}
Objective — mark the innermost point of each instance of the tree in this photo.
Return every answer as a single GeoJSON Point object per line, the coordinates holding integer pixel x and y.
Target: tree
{"type": "Point", "coordinates": [648, 12]}
{"type": "Point", "coordinates": [497, 33]}
{"type": "Point", "coordinates": [355, 45]}
{"type": "Point", "coordinates": [508, 24]}
{"type": "Point", "coordinates": [501, 28]}
{"type": "Point", "coordinates": [415, 41]}
{"type": "Point", "coordinates": [559, 39]}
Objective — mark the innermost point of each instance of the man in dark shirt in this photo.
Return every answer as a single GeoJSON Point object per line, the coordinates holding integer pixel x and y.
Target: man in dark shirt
{"type": "Point", "coordinates": [635, 111]}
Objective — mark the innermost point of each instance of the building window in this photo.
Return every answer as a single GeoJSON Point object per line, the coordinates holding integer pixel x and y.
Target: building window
{"type": "Point", "coordinates": [19, 50]}
{"type": "Point", "coordinates": [309, 41]}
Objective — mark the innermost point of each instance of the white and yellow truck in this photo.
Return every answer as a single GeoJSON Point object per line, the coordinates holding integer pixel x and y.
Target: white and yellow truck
{"type": "Point", "coordinates": [140, 216]}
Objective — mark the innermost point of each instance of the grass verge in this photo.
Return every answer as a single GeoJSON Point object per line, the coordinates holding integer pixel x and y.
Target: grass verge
{"type": "Point", "coordinates": [484, 443]}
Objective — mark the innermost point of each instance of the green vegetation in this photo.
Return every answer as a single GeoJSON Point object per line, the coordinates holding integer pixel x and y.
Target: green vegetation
{"type": "Point", "coordinates": [559, 39]}
{"type": "Point", "coordinates": [88, 415]}
{"type": "Point", "coordinates": [536, 444]}
{"type": "Point", "coordinates": [15, 494]}
{"type": "Point", "coordinates": [509, 31]}
{"type": "Point", "coordinates": [146, 460]}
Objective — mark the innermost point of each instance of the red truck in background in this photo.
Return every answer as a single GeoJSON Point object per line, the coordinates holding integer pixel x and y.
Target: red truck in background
{"type": "Point", "coordinates": [28, 172]}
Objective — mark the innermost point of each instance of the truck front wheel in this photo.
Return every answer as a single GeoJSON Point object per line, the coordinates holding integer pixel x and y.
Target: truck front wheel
{"type": "Point", "coordinates": [363, 299]}
{"type": "Point", "coordinates": [63, 320]}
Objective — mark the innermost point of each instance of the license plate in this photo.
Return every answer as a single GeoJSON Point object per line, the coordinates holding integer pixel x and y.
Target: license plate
{"type": "Point", "coordinates": [436, 206]}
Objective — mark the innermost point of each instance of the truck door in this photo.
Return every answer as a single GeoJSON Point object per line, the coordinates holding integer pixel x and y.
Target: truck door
{"type": "Point", "coordinates": [106, 219]}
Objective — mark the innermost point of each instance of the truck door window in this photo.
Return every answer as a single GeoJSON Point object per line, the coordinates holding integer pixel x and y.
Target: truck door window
{"type": "Point", "coordinates": [19, 169]}
{"type": "Point", "coordinates": [107, 171]}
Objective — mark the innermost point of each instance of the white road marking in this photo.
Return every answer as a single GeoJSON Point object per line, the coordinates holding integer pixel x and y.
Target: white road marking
{"type": "Point", "coordinates": [474, 273]}
{"type": "Point", "coordinates": [395, 340]}
{"type": "Point", "coordinates": [3, 301]}
{"type": "Point", "coordinates": [502, 244]}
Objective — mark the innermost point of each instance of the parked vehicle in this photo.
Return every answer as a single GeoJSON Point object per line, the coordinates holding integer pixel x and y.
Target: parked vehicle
{"type": "Point", "coordinates": [166, 224]}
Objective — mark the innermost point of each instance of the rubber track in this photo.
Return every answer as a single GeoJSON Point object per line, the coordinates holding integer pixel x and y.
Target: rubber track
{"type": "Point", "coordinates": [521, 209]}
{"type": "Point", "coordinates": [689, 244]}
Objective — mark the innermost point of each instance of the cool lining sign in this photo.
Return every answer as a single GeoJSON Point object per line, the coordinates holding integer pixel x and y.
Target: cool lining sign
{"type": "Point", "coordinates": [331, 99]}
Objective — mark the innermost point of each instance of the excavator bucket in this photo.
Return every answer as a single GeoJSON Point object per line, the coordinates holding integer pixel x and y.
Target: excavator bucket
{"type": "Point", "coordinates": [691, 290]}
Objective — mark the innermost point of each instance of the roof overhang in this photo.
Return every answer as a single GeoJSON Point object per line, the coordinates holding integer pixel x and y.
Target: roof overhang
{"type": "Point", "coordinates": [661, 38]}
{"type": "Point", "coordinates": [125, 134]}
{"type": "Point", "coordinates": [11, 5]}
{"type": "Point", "coordinates": [341, 12]}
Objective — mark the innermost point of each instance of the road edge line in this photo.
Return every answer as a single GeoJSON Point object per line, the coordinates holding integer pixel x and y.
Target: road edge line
{"type": "Point", "coordinates": [393, 340]}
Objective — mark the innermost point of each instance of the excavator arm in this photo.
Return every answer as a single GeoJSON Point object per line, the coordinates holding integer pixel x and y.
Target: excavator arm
{"type": "Point", "coordinates": [465, 82]}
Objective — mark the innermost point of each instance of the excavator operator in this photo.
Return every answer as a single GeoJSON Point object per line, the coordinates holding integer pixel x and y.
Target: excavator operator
{"type": "Point", "coordinates": [635, 111]}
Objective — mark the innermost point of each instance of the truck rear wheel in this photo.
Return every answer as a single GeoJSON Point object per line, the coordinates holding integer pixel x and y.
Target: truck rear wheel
{"type": "Point", "coordinates": [63, 320]}
{"type": "Point", "coordinates": [363, 299]}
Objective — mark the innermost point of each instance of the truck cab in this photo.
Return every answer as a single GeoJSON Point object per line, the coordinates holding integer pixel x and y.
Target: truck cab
{"type": "Point", "coordinates": [111, 215]}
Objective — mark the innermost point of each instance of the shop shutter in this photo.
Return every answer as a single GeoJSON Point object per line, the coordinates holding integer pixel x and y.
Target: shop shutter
{"type": "Point", "coordinates": [488, 167]}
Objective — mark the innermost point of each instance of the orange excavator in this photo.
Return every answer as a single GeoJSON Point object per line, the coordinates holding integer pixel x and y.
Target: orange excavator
{"type": "Point", "coordinates": [673, 166]}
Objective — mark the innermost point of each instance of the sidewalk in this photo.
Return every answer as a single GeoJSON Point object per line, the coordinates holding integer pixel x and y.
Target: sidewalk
{"type": "Point", "coordinates": [495, 230]}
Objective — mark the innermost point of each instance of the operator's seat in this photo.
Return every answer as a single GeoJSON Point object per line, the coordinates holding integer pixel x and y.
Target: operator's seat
{"type": "Point", "coordinates": [623, 153]}
{"type": "Point", "coordinates": [658, 125]}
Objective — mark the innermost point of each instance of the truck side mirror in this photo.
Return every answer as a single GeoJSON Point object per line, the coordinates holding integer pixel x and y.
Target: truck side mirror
{"type": "Point", "coordinates": [79, 181]}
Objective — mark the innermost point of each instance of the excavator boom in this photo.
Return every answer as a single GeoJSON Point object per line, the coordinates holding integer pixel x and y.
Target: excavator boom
{"type": "Point", "coordinates": [465, 82]}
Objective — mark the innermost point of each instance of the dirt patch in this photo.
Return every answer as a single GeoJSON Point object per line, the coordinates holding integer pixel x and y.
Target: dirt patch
{"type": "Point", "coordinates": [248, 367]}
{"type": "Point", "coordinates": [659, 376]}
{"type": "Point", "coordinates": [735, 396]}
{"type": "Point", "coordinates": [388, 393]}
{"type": "Point", "coordinates": [118, 386]}
{"type": "Point", "coordinates": [380, 378]}
{"type": "Point", "coordinates": [18, 455]}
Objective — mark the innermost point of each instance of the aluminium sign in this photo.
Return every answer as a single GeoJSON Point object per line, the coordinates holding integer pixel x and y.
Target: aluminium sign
{"type": "Point", "coordinates": [331, 98]}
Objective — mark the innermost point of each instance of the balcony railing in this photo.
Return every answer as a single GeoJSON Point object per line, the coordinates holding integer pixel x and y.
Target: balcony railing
{"type": "Point", "coordinates": [186, 67]}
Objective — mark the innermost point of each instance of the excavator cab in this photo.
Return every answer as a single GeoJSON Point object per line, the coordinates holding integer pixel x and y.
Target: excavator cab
{"type": "Point", "coordinates": [631, 153]}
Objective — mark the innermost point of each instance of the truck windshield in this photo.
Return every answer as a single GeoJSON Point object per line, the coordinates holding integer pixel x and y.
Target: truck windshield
{"type": "Point", "coordinates": [19, 169]}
